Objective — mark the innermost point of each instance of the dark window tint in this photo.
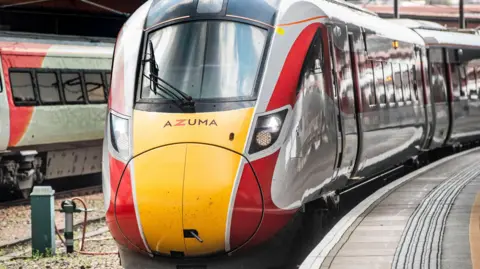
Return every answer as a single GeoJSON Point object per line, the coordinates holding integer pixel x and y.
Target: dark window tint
{"type": "Point", "coordinates": [22, 86]}
{"type": "Point", "coordinates": [48, 87]}
{"type": "Point", "coordinates": [214, 59]}
{"type": "Point", "coordinates": [72, 87]}
{"type": "Point", "coordinates": [95, 87]}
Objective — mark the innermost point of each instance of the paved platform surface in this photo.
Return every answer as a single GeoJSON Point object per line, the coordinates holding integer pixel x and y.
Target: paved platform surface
{"type": "Point", "coordinates": [427, 219]}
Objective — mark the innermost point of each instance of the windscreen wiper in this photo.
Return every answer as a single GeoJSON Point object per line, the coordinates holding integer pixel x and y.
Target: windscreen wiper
{"type": "Point", "coordinates": [153, 77]}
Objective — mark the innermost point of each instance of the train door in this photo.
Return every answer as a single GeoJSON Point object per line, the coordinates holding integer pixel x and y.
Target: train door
{"type": "Point", "coordinates": [439, 98]}
{"type": "Point", "coordinates": [344, 98]}
{"type": "Point", "coordinates": [4, 111]}
{"type": "Point", "coordinates": [356, 51]}
{"type": "Point", "coordinates": [336, 99]}
{"type": "Point", "coordinates": [423, 91]}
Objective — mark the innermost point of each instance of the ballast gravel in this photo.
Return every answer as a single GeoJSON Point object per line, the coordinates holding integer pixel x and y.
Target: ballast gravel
{"type": "Point", "coordinates": [15, 225]}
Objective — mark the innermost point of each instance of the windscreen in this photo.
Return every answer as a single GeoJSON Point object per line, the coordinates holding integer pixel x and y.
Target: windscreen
{"type": "Point", "coordinates": [206, 59]}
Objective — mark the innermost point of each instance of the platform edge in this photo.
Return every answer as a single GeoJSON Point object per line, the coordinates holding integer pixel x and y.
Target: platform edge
{"type": "Point", "coordinates": [335, 234]}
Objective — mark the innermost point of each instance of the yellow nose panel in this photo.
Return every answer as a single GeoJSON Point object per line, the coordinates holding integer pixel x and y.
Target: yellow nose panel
{"type": "Point", "coordinates": [209, 176]}
{"type": "Point", "coordinates": [159, 177]}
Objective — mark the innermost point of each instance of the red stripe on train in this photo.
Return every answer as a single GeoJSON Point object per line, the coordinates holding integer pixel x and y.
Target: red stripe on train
{"type": "Point", "coordinates": [20, 117]}
{"type": "Point", "coordinates": [245, 213]}
{"type": "Point", "coordinates": [286, 87]}
{"type": "Point", "coordinates": [121, 218]}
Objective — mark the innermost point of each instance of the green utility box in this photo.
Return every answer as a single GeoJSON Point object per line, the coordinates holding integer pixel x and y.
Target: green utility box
{"type": "Point", "coordinates": [43, 220]}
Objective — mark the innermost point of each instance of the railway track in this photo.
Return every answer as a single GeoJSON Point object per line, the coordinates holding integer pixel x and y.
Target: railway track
{"type": "Point", "coordinates": [58, 195]}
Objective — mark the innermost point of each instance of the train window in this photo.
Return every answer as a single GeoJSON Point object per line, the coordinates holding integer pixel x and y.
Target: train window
{"type": "Point", "coordinates": [369, 85]}
{"type": "Point", "coordinates": [312, 77]}
{"type": "Point", "coordinates": [72, 87]}
{"type": "Point", "coordinates": [379, 83]}
{"type": "Point", "coordinates": [456, 84]}
{"type": "Point", "coordinates": [223, 59]}
{"type": "Point", "coordinates": [22, 87]}
{"type": "Point", "coordinates": [48, 87]}
{"type": "Point", "coordinates": [95, 87]}
{"type": "Point", "coordinates": [387, 74]}
{"type": "Point", "coordinates": [439, 83]}
{"type": "Point", "coordinates": [413, 83]}
{"type": "Point", "coordinates": [397, 82]}
{"type": "Point", "coordinates": [471, 81]}
{"type": "Point", "coordinates": [406, 83]}
{"type": "Point", "coordinates": [477, 76]}
{"type": "Point", "coordinates": [463, 80]}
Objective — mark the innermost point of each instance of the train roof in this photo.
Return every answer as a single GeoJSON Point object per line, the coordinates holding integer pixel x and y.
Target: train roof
{"type": "Point", "coordinates": [436, 35]}
{"type": "Point", "coordinates": [412, 24]}
{"type": "Point", "coordinates": [55, 45]}
{"type": "Point", "coordinates": [262, 11]}
{"type": "Point", "coordinates": [448, 38]}
{"type": "Point", "coordinates": [10, 36]}
{"type": "Point", "coordinates": [339, 11]}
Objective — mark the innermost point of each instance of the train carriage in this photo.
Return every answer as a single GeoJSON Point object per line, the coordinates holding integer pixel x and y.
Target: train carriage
{"type": "Point", "coordinates": [227, 118]}
{"type": "Point", "coordinates": [53, 96]}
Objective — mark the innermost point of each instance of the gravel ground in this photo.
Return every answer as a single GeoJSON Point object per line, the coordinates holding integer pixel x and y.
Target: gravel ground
{"type": "Point", "coordinates": [15, 225]}
{"type": "Point", "coordinates": [15, 221]}
{"type": "Point", "coordinates": [99, 244]}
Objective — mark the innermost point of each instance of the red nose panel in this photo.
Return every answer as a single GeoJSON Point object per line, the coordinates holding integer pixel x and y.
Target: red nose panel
{"type": "Point", "coordinates": [248, 209]}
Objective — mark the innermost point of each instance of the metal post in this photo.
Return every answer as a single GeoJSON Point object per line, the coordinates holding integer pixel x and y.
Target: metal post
{"type": "Point", "coordinates": [68, 207]}
{"type": "Point", "coordinates": [462, 15]}
{"type": "Point", "coordinates": [395, 9]}
{"type": "Point", "coordinates": [43, 220]}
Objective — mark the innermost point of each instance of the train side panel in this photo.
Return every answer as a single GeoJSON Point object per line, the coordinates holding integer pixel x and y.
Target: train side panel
{"type": "Point", "coordinates": [392, 116]}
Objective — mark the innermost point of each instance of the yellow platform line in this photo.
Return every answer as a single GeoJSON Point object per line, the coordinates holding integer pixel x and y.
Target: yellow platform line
{"type": "Point", "coordinates": [475, 233]}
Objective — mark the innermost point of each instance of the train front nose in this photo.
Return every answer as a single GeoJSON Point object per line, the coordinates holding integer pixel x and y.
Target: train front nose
{"type": "Point", "coordinates": [184, 189]}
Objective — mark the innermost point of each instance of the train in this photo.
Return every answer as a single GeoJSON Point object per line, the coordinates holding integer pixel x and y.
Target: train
{"type": "Point", "coordinates": [227, 119]}
{"type": "Point", "coordinates": [53, 104]}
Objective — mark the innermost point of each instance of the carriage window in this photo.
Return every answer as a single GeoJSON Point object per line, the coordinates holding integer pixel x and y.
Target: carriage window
{"type": "Point", "coordinates": [406, 83]}
{"type": "Point", "coordinates": [72, 87]}
{"type": "Point", "coordinates": [413, 83]}
{"type": "Point", "coordinates": [379, 83]}
{"type": "Point", "coordinates": [397, 82]}
{"type": "Point", "coordinates": [368, 87]}
{"type": "Point", "coordinates": [471, 82]}
{"type": "Point", "coordinates": [48, 87]}
{"type": "Point", "coordinates": [456, 82]}
{"type": "Point", "coordinates": [387, 74]}
{"type": "Point", "coordinates": [22, 86]}
{"type": "Point", "coordinates": [95, 87]}
{"type": "Point", "coordinates": [439, 83]}
{"type": "Point", "coordinates": [463, 80]}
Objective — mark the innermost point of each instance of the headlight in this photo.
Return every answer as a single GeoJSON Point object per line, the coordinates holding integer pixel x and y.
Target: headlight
{"type": "Point", "coordinates": [119, 135]}
{"type": "Point", "coordinates": [267, 130]}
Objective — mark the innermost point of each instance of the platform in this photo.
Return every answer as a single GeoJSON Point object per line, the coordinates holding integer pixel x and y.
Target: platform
{"type": "Point", "coordinates": [427, 219]}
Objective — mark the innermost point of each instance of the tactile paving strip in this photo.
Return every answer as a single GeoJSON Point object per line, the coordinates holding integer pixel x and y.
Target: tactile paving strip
{"type": "Point", "coordinates": [421, 242]}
